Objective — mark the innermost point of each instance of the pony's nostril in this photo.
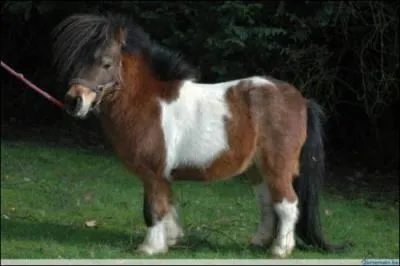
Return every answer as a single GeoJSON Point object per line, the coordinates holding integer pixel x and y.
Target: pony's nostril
{"type": "Point", "coordinates": [73, 104]}
{"type": "Point", "coordinates": [69, 102]}
{"type": "Point", "coordinates": [78, 103]}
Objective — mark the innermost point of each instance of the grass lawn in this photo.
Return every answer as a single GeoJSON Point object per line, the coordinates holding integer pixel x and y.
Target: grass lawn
{"type": "Point", "coordinates": [49, 193]}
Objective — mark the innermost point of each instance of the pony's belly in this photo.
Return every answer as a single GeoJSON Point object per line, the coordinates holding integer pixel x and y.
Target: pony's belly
{"type": "Point", "coordinates": [218, 171]}
{"type": "Point", "coordinates": [240, 135]}
{"type": "Point", "coordinates": [231, 162]}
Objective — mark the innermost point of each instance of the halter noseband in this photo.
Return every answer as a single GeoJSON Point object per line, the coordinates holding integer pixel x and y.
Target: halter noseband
{"type": "Point", "coordinates": [91, 86]}
{"type": "Point", "coordinates": [97, 89]}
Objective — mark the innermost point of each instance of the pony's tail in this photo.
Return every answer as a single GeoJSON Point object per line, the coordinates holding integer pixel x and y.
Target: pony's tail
{"type": "Point", "coordinates": [309, 183]}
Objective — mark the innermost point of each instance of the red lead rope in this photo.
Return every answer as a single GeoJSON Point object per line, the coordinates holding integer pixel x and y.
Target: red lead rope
{"type": "Point", "coordinates": [33, 86]}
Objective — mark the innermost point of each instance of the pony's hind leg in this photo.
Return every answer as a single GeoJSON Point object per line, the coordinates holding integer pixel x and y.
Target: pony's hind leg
{"type": "Point", "coordinates": [284, 201]}
{"type": "Point", "coordinates": [161, 218]}
{"type": "Point", "coordinates": [287, 211]}
{"type": "Point", "coordinates": [265, 230]}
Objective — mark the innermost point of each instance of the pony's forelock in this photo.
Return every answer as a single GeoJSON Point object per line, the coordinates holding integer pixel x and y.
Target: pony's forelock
{"type": "Point", "coordinates": [77, 37]}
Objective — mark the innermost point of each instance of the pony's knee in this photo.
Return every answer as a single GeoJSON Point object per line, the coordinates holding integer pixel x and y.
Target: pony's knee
{"type": "Point", "coordinates": [153, 211]}
{"type": "Point", "coordinates": [156, 201]}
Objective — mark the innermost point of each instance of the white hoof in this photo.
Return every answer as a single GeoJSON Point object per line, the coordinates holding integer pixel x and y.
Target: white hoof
{"type": "Point", "coordinates": [173, 229]}
{"type": "Point", "coordinates": [173, 239]}
{"type": "Point", "coordinates": [282, 252]}
{"type": "Point", "coordinates": [149, 250]}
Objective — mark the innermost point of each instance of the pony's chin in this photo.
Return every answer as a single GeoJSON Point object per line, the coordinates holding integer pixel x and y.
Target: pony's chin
{"type": "Point", "coordinates": [84, 115]}
{"type": "Point", "coordinates": [81, 114]}
{"type": "Point", "coordinates": [81, 117]}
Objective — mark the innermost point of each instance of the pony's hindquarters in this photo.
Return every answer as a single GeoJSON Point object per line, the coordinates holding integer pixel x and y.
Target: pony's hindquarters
{"type": "Point", "coordinates": [281, 115]}
{"type": "Point", "coordinates": [291, 160]}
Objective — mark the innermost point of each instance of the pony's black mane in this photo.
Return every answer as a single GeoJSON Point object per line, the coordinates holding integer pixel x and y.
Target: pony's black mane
{"type": "Point", "coordinates": [78, 36]}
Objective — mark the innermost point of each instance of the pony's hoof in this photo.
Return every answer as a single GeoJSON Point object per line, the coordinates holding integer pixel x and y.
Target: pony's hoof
{"type": "Point", "coordinates": [259, 241]}
{"type": "Point", "coordinates": [256, 242]}
{"type": "Point", "coordinates": [173, 240]}
{"type": "Point", "coordinates": [149, 250]}
{"type": "Point", "coordinates": [281, 252]}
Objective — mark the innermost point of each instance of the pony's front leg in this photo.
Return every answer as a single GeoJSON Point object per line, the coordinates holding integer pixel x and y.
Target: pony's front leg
{"type": "Point", "coordinates": [160, 216]}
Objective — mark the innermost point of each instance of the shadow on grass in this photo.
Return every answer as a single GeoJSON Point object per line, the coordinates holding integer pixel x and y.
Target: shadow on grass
{"type": "Point", "coordinates": [16, 229]}
{"type": "Point", "coordinates": [85, 136]}
{"type": "Point", "coordinates": [28, 230]}
{"type": "Point", "coordinates": [200, 243]}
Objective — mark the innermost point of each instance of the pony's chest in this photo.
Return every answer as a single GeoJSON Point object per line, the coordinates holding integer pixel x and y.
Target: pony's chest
{"type": "Point", "coordinates": [194, 129]}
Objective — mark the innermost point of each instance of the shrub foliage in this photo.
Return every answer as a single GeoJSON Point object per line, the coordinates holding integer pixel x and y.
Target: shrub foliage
{"type": "Point", "coordinates": [344, 54]}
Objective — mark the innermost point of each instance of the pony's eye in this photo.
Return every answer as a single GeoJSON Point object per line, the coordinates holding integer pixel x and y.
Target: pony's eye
{"type": "Point", "coordinates": [107, 66]}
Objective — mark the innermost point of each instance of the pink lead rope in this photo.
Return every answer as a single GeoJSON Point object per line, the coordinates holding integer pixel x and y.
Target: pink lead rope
{"type": "Point", "coordinates": [33, 86]}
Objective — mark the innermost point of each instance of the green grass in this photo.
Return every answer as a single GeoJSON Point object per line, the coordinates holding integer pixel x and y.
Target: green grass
{"type": "Point", "coordinates": [48, 193]}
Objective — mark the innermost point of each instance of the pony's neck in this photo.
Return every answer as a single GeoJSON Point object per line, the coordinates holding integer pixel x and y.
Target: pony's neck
{"type": "Point", "coordinates": [139, 86]}
{"type": "Point", "coordinates": [136, 76]}
{"type": "Point", "coordinates": [135, 107]}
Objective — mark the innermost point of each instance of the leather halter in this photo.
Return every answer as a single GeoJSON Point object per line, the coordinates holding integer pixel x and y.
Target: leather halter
{"type": "Point", "coordinates": [90, 85]}
{"type": "Point", "coordinates": [97, 89]}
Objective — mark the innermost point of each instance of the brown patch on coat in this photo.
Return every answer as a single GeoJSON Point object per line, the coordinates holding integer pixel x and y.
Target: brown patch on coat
{"type": "Point", "coordinates": [281, 114]}
{"type": "Point", "coordinates": [131, 119]}
{"type": "Point", "coordinates": [242, 139]}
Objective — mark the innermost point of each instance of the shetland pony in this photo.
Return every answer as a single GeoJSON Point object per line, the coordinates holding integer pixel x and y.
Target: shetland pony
{"type": "Point", "coordinates": [165, 126]}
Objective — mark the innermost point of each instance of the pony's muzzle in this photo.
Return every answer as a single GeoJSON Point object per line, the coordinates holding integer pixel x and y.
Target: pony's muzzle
{"type": "Point", "coordinates": [73, 104]}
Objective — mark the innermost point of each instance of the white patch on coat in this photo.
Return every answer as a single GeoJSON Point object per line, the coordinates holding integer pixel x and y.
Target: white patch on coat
{"type": "Point", "coordinates": [285, 240]}
{"type": "Point", "coordinates": [260, 81]}
{"type": "Point", "coordinates": [194, 124]}
{"type": "Point", "coordinates": [86, 103]}
{"type": "Point", "coordinates": [156, 240]}
{"type": "Point", "coordinates": [163, 234]}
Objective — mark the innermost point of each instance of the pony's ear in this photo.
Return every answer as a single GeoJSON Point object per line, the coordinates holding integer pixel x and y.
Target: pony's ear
{"type": "Point", "coordinates": [120, 36]}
